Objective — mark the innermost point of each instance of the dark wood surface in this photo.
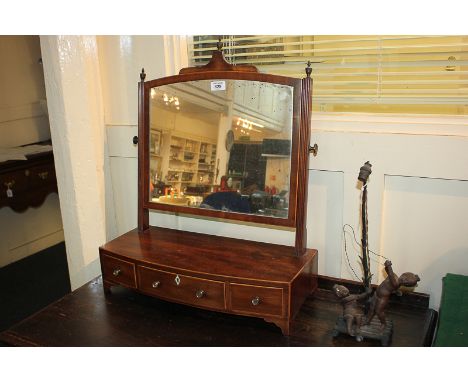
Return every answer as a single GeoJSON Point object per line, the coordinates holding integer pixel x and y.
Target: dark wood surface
{"type": "Point", "coordinates": [30, 180]}
{"type": "Point", "coordinates": [125, 318]}
{"type": "Point", "coordinates": [198, 254]}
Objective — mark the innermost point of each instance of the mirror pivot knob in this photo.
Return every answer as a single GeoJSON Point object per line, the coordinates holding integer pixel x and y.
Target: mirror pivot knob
{"type": "Point", "coordinates": [313, 149]}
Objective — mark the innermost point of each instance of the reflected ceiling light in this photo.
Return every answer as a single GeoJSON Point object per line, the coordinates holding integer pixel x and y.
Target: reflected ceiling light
{"type": "Point", "coordinates": [246, 122]}
{"type": "Point", "coordinates": [247, 125]}
{"type": "Point", "coordinates": [171, 100]}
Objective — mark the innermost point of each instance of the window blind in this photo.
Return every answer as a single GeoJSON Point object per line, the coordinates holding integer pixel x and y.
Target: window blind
{"type": "Point", "coordinates": [393, 74]}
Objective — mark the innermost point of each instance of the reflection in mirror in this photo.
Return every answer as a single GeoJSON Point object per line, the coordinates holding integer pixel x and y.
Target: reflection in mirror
{"type": "Point", "coordinates": [222, 145]}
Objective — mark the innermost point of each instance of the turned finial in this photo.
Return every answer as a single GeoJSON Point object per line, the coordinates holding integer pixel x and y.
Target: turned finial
{"type": "Point", "coordinates": [142, 74]}
{"type": "Point", "coordinates": [308, 69]}
{"type": "Point", "coordinates": [219, 44]}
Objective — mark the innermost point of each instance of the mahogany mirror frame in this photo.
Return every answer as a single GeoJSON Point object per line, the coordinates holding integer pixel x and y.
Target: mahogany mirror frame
{"type": "Point", "coordinates": [219, 69]}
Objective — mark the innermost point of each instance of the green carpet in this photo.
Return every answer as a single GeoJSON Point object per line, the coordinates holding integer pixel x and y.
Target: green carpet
{"type": "Point", "coordinates": [453, 314]}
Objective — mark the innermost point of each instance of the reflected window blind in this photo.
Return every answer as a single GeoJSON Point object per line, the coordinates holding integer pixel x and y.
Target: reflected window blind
{"type": "Point", "coordinates": [390, 74]}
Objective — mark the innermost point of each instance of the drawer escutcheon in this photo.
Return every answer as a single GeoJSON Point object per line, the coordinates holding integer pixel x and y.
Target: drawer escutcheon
{"type": "Point", "coordinates": [256, 301]}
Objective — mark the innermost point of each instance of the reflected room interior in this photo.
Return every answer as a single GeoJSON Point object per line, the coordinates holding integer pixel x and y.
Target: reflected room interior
{"type": "Point", "coordinates": [222, 145]}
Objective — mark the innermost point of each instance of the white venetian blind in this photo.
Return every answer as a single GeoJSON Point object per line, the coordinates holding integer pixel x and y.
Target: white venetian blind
{"type": "Point", "coordinates": [391, 74]}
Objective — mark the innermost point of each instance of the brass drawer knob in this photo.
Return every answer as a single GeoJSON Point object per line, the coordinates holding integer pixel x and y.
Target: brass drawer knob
{"type": "Point", "coordinates": [156, 284]}
{"type": "Point", "coordinates": [200, 293]}
{"type": "Point", "coordinates": [256, 301]}
{"type": "Point", "coordinates": [9, 184]}
{"type": "Point", "coordinates": [43, 175]}
{"type": "Point", "coordinates": [117, 272]}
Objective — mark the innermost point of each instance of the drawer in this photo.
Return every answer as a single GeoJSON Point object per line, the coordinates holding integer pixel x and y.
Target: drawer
{"type": "Point", "coordinates": [42, 175]}
{"type": "Point", "coordinates": [185, 289]}
{"type": "Point", "coordinates": [16, 181]}
{"type": "Point", "coordinates": [256, 299]}
{"type": "Point", "coordinates": [118, 271]}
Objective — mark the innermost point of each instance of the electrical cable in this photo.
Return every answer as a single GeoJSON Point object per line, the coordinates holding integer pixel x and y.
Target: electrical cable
{"type": "Point", "coordinates": [346, 252]}
{"type": "Point", "coordinates": [360, 246]}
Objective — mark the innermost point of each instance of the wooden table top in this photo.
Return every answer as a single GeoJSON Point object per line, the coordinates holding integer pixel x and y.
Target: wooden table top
{"type": "Point", "coordinates": [87, 317]}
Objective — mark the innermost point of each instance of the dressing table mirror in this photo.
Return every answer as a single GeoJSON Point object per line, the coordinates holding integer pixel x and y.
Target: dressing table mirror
{"type": "Point", "coordinates": [221, 142]}
{"type": "Point", "coordinates": [224, 146]}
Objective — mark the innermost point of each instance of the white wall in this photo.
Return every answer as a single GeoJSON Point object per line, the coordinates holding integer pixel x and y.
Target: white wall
{"type": "Point", "coordinates": [25, 233]}
{"type": "Point", "coordinates": [23, 116]}
{"type": "Point", "coordinates": [418, 193]}
{"type": "Point", "coordinates": [23, 120]}
{"type": "Point", "coordinates": [121, 59]}
{"type": "Point", "coordinates": [425, 225]}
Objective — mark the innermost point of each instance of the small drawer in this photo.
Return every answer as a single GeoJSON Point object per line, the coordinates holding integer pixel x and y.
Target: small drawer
{"type": "Point", "coordinates": [118, 271]}
{"type": "Point", "coordinates": [256, 299]}
{"type": "Point", "coordinates": [42, 175]}
{"type": "Point", "coordinates": [16, 182]}
{"type": "Point", "coordinates": [188, 290]}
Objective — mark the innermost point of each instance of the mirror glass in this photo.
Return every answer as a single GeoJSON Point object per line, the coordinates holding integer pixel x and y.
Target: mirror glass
{"type": "Point", "coordinates": [222, 145]}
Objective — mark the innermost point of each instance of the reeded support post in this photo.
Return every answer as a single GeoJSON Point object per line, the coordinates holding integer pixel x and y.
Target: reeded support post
{"type": "Point", "coordinates": [143, 161]}
{"type": "Point", "coordinates": [303, 166]}
{"type": "Point", "coordinates": [363, 176]}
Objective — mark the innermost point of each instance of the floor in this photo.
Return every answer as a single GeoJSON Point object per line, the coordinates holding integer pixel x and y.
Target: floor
{"type": "Point", "coordinates": [87, 317]}
{"type": "Point", "coordinates": [32, 283]}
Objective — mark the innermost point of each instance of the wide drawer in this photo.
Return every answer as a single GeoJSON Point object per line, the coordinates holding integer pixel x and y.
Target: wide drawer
{"type": "Point", "coordinates": [118, 271]}
{"type": "Point", "coordinates": [256, 299]}
{"type": "Point", "coordinates": [188, 290]}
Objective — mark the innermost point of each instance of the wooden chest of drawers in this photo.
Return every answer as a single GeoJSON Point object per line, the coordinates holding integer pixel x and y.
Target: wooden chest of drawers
{"type": "Point", "coordinates": [217, 273]}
